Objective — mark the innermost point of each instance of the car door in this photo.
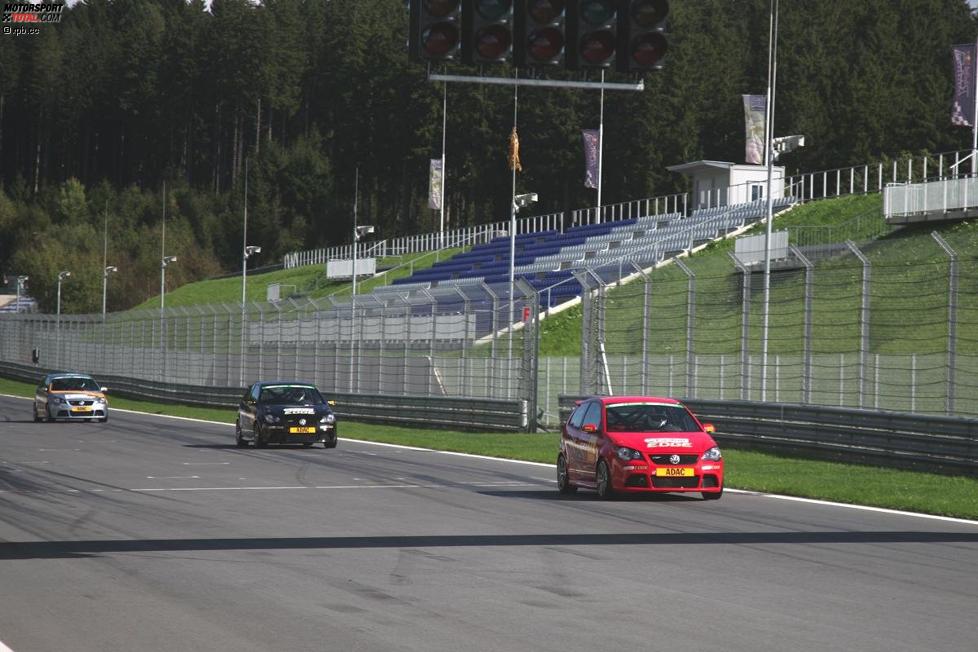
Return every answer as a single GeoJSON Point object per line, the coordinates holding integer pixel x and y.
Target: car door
{"type": "Point", "coordinates": [591, 434]}
{"type": "Point", "coordinates": [247, 409]}
{"type": "Point", "coordinates": [572, 439]}
{"type": "Point", "coordinates": [41, 399]}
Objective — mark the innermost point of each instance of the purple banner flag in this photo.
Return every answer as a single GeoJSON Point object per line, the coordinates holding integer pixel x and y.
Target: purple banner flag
{"type": "Point", "coordinates": [962, 111]}
{"type": "Point", "coordinates": [434, 184]}
{"type": "Point", "coordinates": [755, 110]}
{"type": "Point", "coordinates": [592, 141]}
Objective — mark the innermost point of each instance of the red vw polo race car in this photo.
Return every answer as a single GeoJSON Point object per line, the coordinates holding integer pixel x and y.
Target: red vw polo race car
{"type": "Point", "coordinates": [636, 444]}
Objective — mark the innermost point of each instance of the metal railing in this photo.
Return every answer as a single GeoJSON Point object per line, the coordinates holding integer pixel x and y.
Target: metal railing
{"type": "Point", "coordinates": [926, 443]}
{"type": "Point", "coordinates": [939, 196]}
{"type": "Point", "coordinates": [446, 412]}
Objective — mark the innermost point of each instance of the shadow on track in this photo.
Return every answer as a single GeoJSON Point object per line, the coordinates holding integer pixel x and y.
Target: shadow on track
{"type": "Point", "coordinates": [81, 549]}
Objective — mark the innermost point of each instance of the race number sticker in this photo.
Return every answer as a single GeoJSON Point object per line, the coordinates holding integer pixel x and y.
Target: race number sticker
{"type": "Point", "coordinates": [668, 442]}
{"type": "Point", "coordinates": [299, 411]}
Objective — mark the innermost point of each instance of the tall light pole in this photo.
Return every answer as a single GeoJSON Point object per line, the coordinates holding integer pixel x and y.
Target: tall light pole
{"type": "Point", "coordinates": [519, 201]}
{"type": "Point", "coordinates": [772, 81]}
{"type": "Point", "coordinates": [245, 255]}
{"type": "Point", "coordinates": [20, 285]}
{"type": "Point", "coordinates": [61, 277]}
{"type": "Point", "coordinates": [358, 231]}
{"type": "Point", "coordinates": [109, 269]}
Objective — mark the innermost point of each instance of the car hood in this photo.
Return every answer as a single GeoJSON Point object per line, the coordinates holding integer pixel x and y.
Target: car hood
{"type": "Point", "coordinates": [296, 410]}
{"type": "Point", "coordinates": [664, 442]}
{"type": "Point", "coordinates": [76, 395]}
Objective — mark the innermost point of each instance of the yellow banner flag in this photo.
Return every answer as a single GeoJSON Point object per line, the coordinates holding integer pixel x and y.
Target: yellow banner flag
{"type": "Point", "coordinates": [514, 152]}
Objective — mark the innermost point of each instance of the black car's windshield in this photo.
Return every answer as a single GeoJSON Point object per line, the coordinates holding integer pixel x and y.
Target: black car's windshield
{"type": "Point", "coordinates": [74, 385]}
{"type": "Point", "coordinates": [649, 417]}
{"type": "Point", "coordinates": [291, 395]}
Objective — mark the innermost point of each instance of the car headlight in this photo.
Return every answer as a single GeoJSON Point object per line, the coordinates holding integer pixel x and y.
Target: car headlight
{"type": "Point", "coordinates": [59, 400]}
{"type": "Point", "coordinates": [626, 454]}
{"type": "Point", "coordinates": [271, 418]}
{"type": "Point", "coordinates": [712, 455]}
{"type": "Point", "coordinates": [328, 419]}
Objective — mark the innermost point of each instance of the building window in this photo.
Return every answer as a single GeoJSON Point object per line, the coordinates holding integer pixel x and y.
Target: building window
{"type": "Point", "coordinates": [756, 191]}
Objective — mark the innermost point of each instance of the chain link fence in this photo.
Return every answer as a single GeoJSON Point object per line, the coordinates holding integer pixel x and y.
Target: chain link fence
{"type": "Point", "coordinates": [846, 327]}
{"type": "Point", "coordinates": [430, 343]}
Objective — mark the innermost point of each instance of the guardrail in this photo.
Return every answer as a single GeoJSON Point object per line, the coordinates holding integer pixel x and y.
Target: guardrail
{"type": "Point", "coordinates": [442, 412]}
{"type": "Point", "coordinates": [893, 439]}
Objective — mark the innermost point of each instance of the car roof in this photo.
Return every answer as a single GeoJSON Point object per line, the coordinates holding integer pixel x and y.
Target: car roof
{"type": "Point", "coordinates": [638, 399]}
{"type": "Point", "coordinates": [297, 383]}
{"type": "Point", "coordinates": [66, 374]}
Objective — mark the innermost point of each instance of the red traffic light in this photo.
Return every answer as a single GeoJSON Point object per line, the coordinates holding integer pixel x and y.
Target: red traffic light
{"type": "Point", "coordinates": [647, 49]}
{"type": "Point", "coordinates": [545, 44]}
{"type": "Point", "coordinates": [597, 47]}
{"type": "Point", "coordinates": [493, 42]}
{"type": "Point", "coordinates": [439, 40]}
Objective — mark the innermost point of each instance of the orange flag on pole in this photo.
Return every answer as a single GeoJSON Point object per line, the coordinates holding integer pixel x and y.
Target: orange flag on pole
{"type": "Point", "coordinates": [514, 152]}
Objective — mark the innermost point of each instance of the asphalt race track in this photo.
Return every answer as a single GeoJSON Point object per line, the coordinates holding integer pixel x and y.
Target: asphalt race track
{"type": "Point", "coordinates": [149, 533]}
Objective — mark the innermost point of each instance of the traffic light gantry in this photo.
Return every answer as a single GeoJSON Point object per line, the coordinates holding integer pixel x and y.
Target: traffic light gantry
{"type": "Point", "coordinates": [628, 36]}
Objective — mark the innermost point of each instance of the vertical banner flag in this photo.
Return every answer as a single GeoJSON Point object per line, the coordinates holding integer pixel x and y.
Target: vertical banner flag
{"type": "Point", "coordinates": [434, 184]}
{"type": "Point", "coordinates": [755, 108]}
{"type": "Point", "coordinates": [514, 152]}
{"type": "Point", "coordinates": [964, 85]}
{"type": "Point", "coordinates": [592, 141]}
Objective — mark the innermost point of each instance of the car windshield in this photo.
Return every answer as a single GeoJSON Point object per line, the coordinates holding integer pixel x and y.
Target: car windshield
{"type": "Point", "coordinates": [649, 417]}
{"type": "Point", "coordinates": [291, 395]}
{"type": "Point", "coordinates": [74, 385]}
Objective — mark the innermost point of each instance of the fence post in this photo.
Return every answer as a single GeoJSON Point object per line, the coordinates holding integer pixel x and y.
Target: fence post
{"type": "Point", "coordinates": [530, 368]}
{"type": "Point", "coordinates": [690, 322]}
{"type": "Point", "coordinates": [744, 324]}
{"type": "Point", "coordinates": [952, 321]}
{"type": "Point", "coordinates": [863, 320]}
{"type": "Point", "coordinates": [806, 374]}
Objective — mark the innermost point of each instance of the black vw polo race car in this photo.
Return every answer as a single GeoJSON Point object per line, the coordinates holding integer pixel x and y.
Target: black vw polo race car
{"type": "Point", "coordinates": [284, 413]}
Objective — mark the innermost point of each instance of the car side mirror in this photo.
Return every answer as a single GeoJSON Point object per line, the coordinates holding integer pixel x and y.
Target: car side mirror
{"type": "Point", "coordinates": [104, 389]}
{"type": "Point", "coordinates": [709, 428]}
{"type": "Point", "coordinates": [331, 403]}
{"type": "Point", "coordinates": [589, 427]}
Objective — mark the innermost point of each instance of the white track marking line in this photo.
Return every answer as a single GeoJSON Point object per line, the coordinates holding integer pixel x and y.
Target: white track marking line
{"type": "Point", "coordinates": [813, 501]}
{"type": "Point", "coordinates": [4, 648]}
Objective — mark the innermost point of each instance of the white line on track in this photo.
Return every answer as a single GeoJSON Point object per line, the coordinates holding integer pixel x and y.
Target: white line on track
{"type": "Point", "coordinates": [881, 510]}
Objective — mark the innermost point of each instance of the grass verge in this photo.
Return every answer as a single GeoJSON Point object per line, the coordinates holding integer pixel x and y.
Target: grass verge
{"type": "Point", "coordinates": [927, 493]}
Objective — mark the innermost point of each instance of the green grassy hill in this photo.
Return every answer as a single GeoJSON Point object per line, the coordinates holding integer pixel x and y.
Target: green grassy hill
{"type": "Point", "coordinates": [308, 281]}
{"type": "Point", "coordinates": [908, 305]}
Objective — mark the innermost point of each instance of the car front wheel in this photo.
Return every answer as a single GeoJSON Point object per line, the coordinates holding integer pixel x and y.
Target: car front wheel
{"type": "Point", "coordinates": [563, 482]}
{"type": "Point", "coordinates": [604, 481]}
{"type": "Point", "coordinates": [238, 439]}
{"type": "Point", "coordinates": [713, 495]}
{"type": "Point", "coordinates": [260, 441]}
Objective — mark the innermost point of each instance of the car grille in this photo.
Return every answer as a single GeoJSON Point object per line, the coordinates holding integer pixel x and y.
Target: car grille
{"type": "Point", "coordinates": [80, 403]}
{"type": "Point", "coordinates": [675, 483]}
{"type": "Point", "coordinates": [663, 459]}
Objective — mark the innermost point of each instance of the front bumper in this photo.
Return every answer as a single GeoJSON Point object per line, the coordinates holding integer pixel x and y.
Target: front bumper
{"type": "Point", "coordinates": [639, 477]}
{"type": "Point", "coordinates": [75, 412]}
{"type": "Point", "coordinates": [282, 434]}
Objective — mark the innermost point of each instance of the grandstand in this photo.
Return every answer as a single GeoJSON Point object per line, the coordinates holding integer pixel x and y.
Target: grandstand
{"type": "Point", "coordinates": [548, 260]}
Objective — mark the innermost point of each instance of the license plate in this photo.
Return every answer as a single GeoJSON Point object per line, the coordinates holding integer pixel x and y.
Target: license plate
{"type": "Point", "coordinates": [302, 430]}
{"type": "Point", "coordinates": [673, 472]}
{"type": "Point", "coordinates": [81, 409]}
